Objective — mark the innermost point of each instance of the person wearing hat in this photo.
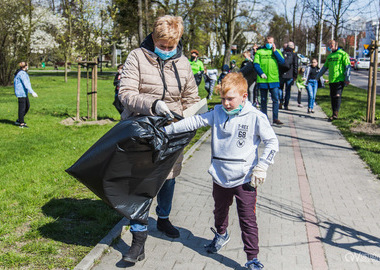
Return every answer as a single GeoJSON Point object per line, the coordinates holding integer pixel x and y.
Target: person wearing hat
{"type": "Point", "coordinates": [196, 66]}
{"type": "Point", "coordinates": [233, 67]}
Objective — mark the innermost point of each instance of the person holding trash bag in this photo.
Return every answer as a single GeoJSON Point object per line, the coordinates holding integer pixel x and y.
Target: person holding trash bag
{"type": "Point", "coordinates": [156, 80]}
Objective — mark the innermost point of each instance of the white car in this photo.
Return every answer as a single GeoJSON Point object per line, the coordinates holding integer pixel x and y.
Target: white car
{"type": "Point", "coordinates": [303, 60]}
{"type": "Point", "coordinates": [362, 63]}
{"type": "Point", "coordinates": [206, 60]}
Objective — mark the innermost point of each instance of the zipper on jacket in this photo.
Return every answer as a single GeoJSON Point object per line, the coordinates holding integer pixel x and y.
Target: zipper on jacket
{"type": "Point", "coordinates": [224, 126]}
{"type": "Point", "coordinates": [230, 159]}
{"type": "Point", "coordinates": [162, 73]}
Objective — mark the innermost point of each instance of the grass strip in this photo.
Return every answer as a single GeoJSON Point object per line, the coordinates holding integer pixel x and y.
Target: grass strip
{"type": "Point", "coordinates": [353, 114]}
{"type": "Point", "coordinates": [48, 219]}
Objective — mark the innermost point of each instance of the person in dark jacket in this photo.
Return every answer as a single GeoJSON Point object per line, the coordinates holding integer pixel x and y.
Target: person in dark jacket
{"type": "Point", "coordinates": [116, 82]}
{"type": "Point", "coordinates": [225, 71]}
{"type": "Point", "coordinates": [250, 75]}
{"type": "Point", "coordinates": [288, 74]}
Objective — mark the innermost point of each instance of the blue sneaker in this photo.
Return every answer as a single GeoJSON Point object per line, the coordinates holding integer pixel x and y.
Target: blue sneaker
{"type": "Point", "coordinates": [218, 242]}
{"type": "Point", "coordinates": [255, 264]}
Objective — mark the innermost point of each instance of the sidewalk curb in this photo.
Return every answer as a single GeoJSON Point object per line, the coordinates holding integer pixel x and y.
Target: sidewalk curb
{"type": "Point", "coordinates": [97, 252]}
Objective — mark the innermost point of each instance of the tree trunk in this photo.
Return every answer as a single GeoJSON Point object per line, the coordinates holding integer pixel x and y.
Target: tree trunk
{"type": "Point", "coordinates": [146, 18]}
{"type": "Point", "coordinates": [294, 23]}
{"type": "Point", "coordinates": [231, 6]}
{"type": "Point", "coordinates": [139, 15]}
{"type": "Point", "coordinates": [114, 55]}
{"type": "Point", "coordinates": [29, 35]}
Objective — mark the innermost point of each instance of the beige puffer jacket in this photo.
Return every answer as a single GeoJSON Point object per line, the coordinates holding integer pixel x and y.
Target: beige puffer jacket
{"type": "Point", "coordinates": [141, 85]}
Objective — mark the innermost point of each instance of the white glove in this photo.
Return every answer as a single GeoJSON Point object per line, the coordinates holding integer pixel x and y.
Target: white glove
{"type": "Point", "coordinates": [263, 76]}
{"type": "Point", "coordinates": [34, 94]}
{"type": "Point", "coordinates": [258, 176]}
{"type": "Point", "coordinates": [162, 109]}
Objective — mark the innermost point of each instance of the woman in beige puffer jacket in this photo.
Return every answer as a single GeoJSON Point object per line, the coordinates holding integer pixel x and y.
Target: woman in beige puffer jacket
{"type": "Point", "coordinates": [157, 78]}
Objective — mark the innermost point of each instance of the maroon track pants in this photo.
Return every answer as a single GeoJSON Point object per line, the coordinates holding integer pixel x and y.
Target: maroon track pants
{"type": "Point", "coordinates": [246, 208]}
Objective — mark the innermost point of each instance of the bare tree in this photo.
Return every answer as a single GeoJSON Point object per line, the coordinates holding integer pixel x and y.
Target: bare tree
{"type": "Point", "coordinates": [337, 11]}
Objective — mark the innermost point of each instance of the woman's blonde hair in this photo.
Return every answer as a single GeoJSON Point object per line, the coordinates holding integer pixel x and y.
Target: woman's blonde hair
{"type": "Point", "coordinates": [233, 80]}
{"type": "Point", "coordinates": [169, 28]}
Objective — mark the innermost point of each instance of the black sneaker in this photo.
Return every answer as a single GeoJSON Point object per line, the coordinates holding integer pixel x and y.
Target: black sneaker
{"type": "Point", "coordinates": [165, 226]}
{"type": "Point", "coordinates": [23, 125]}
{"type": "Point", "coordinates": [17, 123]}
{"type": "Point", "coordinates": [218, 242]}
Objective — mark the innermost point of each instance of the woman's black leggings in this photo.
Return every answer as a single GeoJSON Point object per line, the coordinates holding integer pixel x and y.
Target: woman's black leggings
{"type": "Point", "coordinates": [23, 108]}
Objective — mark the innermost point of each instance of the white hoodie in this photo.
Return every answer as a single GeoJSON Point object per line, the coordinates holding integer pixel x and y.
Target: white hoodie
{"type": "Point", "coordinates": [235, 141]}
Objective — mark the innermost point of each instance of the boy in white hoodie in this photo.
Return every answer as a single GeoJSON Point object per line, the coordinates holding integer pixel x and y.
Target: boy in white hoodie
{"type": "Point", "coordinates": [237, 130]}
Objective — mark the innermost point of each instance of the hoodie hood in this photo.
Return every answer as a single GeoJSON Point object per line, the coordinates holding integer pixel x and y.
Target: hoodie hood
{"type": "Point", "coordinates": [149, 45]}
{"type": "Point", "coordinates": [247, 108]}
{"type": "Point", "coordinates": [17, 71]}
{"type": "Point", "coordinates": [226, 68]}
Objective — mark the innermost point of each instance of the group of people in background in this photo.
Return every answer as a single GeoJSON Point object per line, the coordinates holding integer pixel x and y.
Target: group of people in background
{"type": "Point", "coordinates": [268, 70]}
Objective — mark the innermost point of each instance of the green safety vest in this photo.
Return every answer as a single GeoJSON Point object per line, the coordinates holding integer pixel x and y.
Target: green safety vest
{"type": "Point", "coordinates": [269, 65]}
{"type": "Point", "coordinates": [336, 63]}
{"type": "Point", "coordinates": [196, 66]}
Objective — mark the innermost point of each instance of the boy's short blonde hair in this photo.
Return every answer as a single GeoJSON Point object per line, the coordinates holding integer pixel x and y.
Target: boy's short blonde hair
{"type": "Point", "coordinates": [233, 80]}
{"type": "Point", "coordinates": [168, 28]}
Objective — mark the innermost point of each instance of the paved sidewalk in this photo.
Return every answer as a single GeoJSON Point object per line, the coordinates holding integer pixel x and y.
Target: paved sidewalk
{"type": "Point", "coordinates": [319, 209]}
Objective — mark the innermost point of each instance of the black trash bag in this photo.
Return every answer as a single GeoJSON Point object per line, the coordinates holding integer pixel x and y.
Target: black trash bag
{"type": "Point", "coordinates": [128, 166]}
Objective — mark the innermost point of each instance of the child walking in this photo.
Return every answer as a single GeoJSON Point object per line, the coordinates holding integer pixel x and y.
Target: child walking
{"type": "Point", "coordinates": [236, 168]}
{"type": "Point", "coordinates": [311, 83]}
{"type": "Point", "coordinates": [300, 85]}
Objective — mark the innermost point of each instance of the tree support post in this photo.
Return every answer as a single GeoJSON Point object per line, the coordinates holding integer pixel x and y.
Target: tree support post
{"type": "Point", "coordinates": [78, 93]}
{"type": "Point", "coordinates": [372, 83]}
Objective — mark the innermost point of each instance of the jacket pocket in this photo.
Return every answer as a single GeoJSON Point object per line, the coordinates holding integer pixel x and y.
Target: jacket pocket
{"type": "Point", "coordinates": [228, 170]}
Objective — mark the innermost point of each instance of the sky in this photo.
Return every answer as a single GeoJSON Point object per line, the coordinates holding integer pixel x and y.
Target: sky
{"type": "Point", "coordinates": [366, 9]}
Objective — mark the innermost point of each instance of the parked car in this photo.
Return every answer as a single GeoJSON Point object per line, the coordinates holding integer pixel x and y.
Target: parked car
{"type": "Point", "coordinates": [303, 60]}
{"type": "Point", "coordinates": [362, 63]}
{"type": "Point", "coordinates": [206, 60]}
{"type": "Point", "coordinates": [353, 62]}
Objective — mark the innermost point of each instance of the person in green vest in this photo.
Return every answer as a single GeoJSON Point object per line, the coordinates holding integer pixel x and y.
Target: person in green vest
{"type": "Point", "coordinates": [196, 66]}
{"type": "Point", "coordinates": [266, 63]}
{"type": "Point", "coordinates": [339, 67]}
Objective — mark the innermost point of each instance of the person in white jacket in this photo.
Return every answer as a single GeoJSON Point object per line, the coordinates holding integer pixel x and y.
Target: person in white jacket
{"type": "Point", "coordinates": [236, 167]}
{"type": "Point", "coordinates": [210, 76]}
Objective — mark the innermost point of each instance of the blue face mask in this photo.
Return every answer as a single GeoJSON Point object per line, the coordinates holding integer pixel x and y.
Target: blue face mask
{"type": "Point", "coordinates": [165, 55]}
{"type": "Point", "coordinates": [329, 49]}
{"type": "Point", "coordinates": [234, 111]}
{"type": "Point", "coordinates": [268, 46]}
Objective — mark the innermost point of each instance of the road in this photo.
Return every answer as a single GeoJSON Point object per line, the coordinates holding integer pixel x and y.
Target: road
{"type": "Point", "coordinates": [359, 78]}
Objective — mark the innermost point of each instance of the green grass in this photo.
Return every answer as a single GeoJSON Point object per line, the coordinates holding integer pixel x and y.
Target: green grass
{"type": "Point", "coordinates": [352, 112]}
{"type": "Point", "coordinates": [48, 219]}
